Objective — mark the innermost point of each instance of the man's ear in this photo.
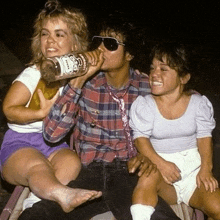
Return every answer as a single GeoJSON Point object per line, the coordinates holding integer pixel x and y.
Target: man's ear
{"type": "Point", "coordinates": [186, 78]}
{"type": "Point", "coordinates": [129, 57]}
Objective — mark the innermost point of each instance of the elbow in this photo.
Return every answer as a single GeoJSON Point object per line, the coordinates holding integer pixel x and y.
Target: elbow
{"type": "Point", "coordinates": [7, 113]}
{"type": "Point", "coordinates": [50, 138]}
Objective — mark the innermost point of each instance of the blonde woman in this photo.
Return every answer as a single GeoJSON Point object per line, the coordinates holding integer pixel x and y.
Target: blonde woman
{"type": "Point", "coordinates": [26, 159]}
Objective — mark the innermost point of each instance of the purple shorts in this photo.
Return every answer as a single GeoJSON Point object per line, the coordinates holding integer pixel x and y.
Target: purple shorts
{"type": "Point", "coordinates": [14, 141]}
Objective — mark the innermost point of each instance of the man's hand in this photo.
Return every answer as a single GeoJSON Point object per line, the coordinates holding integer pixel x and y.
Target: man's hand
{"type": "Point", "coordinates": [95, 59]}
{"type": "Point", "coordinates": [145, 166]}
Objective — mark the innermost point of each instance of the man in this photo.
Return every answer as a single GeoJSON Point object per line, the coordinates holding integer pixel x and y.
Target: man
{"type": "Point", "coordinates": [97, 109]}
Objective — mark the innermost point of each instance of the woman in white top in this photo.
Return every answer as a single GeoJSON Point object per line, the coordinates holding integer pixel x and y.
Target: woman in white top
{"type": "Point", "coordinates": [26, 159]}
{"type": "Point", "coordinates": [173, 127]}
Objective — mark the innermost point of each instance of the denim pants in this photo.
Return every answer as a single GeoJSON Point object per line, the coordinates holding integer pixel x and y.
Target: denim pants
{"type": "Point", "coordinates": [117, 186]}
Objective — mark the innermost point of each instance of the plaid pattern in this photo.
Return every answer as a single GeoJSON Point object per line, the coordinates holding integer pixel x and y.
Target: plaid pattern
{"type": "Point", "coordinates": [98, 131]}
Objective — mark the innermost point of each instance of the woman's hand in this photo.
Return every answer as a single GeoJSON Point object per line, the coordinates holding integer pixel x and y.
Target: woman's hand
{"type": "Point", "coordinates": [169, 171]}
{"type": "Point", "coordinates": [46, 104]}
{"type": "Point", "coordinates": [206, 178]}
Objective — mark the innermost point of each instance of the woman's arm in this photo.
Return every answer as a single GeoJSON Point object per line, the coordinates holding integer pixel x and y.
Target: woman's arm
{"type": "Point", "coordinates": [16, 100]}
{"type": "Point", "coordinates": [205, 175]}
{"type": "Point", "coordinates": [169, 171]}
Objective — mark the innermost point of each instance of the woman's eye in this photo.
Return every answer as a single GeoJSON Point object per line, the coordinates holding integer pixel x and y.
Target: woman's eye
{"type": "Point", "coordinates": [43, 33]}
{"type": "Point", "coordinates": [151, 68]}
{"type": "Point", "coordinates": [164, 69]}
{"type": "Point", "coordinates": [60, 35]}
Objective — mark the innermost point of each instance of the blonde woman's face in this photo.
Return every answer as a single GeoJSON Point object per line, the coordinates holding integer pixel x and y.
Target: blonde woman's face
{"type": "Point", "coordinates": [56, 38]}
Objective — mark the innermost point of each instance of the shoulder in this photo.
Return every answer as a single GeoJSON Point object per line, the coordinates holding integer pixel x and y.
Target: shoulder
{"type": "Point", "coordinates": [143, 104]}
{"type": "Point", "coordinates": [147, 99]}
{"type": "Point", "coordinates": [29, 77]}
{"type": "Point", "coordinates": [30, 72]}
{"type": "Point", "coordinates": [202, 106]}
{"type": "Point", "coordinates": [200, 100]}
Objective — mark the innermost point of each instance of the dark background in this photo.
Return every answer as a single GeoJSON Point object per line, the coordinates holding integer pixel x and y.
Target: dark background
{"type": "Point", "coordinates": [194, 22]}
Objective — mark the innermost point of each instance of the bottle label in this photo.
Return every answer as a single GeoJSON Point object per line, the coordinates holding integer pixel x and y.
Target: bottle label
{"type": "Point", "coordinates": [70, 64]}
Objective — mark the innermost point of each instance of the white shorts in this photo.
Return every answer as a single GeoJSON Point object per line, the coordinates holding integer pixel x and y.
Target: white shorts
{"type": "Point", "coordinates": [189, 162]}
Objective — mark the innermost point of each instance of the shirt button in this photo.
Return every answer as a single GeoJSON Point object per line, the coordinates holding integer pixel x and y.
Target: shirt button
{"type": "Point", "coordinates": [92, 125]}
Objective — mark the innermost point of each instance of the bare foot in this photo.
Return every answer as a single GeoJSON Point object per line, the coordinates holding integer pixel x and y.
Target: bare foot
{"type": "Point", "coordinates": [72, 198]}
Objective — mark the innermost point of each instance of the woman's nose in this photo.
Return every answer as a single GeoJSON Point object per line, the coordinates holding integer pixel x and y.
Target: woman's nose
{"type": "Point", "coordinates": [155, 71]}
{"type": "Point", "coordinates": [50, 38]}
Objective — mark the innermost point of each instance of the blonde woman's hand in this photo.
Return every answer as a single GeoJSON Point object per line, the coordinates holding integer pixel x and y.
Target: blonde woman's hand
{"type": "Point", "coordinates": [46, 104]}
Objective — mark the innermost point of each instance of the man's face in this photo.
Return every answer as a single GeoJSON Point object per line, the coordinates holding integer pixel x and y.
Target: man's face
{"type": "Point", "coordinates": [114, 60]}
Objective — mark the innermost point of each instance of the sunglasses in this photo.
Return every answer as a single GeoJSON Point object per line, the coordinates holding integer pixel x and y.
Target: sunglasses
{"type": "Point", "coordinates": [110, 43]}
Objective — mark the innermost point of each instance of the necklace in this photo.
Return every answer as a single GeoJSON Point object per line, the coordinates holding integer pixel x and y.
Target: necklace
{"type": "Point", "coordinates": [131, 150]}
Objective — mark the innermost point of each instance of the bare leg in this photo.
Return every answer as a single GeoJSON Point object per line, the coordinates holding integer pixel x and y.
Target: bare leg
{"type": "Point", "coordinates": [29, 167]}
{"type": "Point", "coordinates": [207, 202]}
{"type": "Point", "coordinates": [66, 165]}
{"type": "Point", "coordinates": [148, 188]}
{"type": "Point", "coordinates": [145, 195]}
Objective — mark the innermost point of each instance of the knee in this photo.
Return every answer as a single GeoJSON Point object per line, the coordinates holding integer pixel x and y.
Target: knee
{"type": "Point", "coordinates": [66, 165]}
{"type": "Point", "coordinates": [151, 180]}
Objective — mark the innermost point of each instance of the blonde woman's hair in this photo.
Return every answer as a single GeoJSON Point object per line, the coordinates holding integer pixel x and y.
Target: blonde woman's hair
{"type": "Point", "coordinates": [74, 19]}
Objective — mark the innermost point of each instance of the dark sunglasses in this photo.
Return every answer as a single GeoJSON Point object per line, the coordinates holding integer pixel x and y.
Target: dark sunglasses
{"type": "Point", "coordinates": [110, 43]}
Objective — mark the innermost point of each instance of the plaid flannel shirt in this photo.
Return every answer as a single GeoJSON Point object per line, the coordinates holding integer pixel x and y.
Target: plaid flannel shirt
{"type": "Point", "coordinates": [95, 117]}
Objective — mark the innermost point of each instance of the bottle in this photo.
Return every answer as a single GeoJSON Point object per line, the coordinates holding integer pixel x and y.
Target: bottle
{"type": "Point", "coordinates": [63, 67]}
{"type": "Point", "coordinates": [48, 89]}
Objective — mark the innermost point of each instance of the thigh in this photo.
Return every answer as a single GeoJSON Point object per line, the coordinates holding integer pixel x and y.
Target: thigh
{"type": "Point", "coordinates": [66, 165]}
{"type": "Point", "coordinates": [167, 192]}
{"type": "Point", "coordinates": [205, 200]}
{"type": "Point", "coordinates": [16, 168]}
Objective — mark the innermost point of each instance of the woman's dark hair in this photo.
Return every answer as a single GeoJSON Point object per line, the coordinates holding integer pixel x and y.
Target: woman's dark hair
{"type": "Point", "coordinates": [177, 56]}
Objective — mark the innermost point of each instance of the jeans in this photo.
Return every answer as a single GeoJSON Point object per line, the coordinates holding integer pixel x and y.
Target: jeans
{"type": "Point", "coordinates": [117, 187]}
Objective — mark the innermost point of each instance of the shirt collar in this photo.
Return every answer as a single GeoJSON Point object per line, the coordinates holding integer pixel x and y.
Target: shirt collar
{"type": "Point", "coordinates": [134, 79]}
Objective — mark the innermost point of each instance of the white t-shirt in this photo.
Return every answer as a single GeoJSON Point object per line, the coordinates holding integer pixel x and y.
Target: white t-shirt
{"type": "Point", "coordinates": [30, 78]}
{"type": "Point", "coordinates": [170, 136]}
